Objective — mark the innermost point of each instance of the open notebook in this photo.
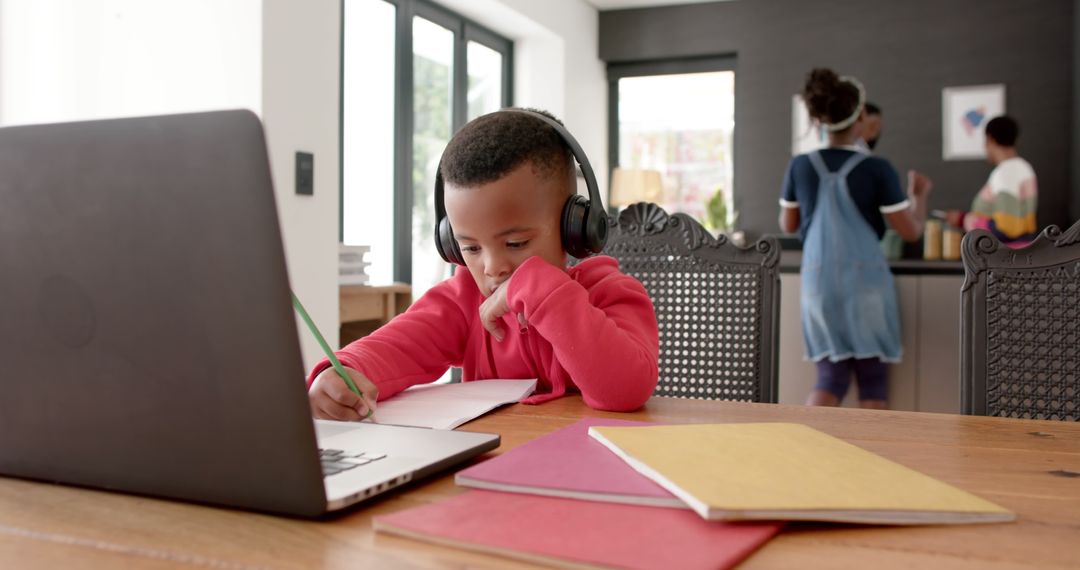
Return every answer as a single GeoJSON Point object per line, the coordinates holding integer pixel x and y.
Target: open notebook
{"type": "Point", "coordinates": [787, 471]}
{"type": "Point", "coordinates": [447, 406]}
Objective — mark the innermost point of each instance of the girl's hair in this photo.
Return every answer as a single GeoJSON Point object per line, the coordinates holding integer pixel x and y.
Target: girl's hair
{"type": "Point", "coordinates": [830, 99]}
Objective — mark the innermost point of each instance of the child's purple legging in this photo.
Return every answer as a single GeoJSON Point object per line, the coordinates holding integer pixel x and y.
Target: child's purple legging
{"type": "Point", "coordinates": [871, 374]}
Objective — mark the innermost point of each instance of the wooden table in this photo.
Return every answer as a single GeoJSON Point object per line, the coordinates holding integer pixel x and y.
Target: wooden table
{"type": "Point", "coordinates": [364, 308]}
{"type": "Point", "coordinates": [1020, 464]}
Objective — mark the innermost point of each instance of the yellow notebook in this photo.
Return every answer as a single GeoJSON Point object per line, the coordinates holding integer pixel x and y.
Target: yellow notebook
{"type": "Point", "coordinates": [789, 472]}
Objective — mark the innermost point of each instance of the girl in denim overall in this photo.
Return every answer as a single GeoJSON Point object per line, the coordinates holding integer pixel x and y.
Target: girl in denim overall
{"type": "Point", "coordinates": [850, 318]}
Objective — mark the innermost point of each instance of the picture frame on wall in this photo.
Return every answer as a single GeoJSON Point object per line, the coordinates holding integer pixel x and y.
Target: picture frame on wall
{"type": "Point", "coordinates": [964, 114]}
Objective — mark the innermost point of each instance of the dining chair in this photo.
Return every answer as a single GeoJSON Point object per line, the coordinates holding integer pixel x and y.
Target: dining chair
{"type": "Point", "coordinates": [717, 304]}
{"type": "Point", "coordinates": [1020, 326]}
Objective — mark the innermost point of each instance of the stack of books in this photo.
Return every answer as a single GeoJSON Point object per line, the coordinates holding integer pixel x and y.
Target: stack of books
{"type": "Point", "coordinates": [352, 269]}
{"type": "Point", "coordinates": [614, 493]}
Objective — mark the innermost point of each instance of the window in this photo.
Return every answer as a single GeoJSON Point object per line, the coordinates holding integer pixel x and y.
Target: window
{"type": "Point", "coordinates": [412, 73]}
{"type": "Point", "coordinates": [485, 79]}
{"type": "Point", "coordinates": [679, 118]}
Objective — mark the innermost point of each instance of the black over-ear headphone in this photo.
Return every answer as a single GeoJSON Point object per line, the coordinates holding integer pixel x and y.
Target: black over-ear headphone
{"type": "Point", "coordinates": [584, 221]}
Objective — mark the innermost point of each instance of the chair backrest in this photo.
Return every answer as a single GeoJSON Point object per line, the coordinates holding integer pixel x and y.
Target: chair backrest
{"type": "Point", "coordinates": [1020, 326]}
{"type": "Point", "coordinates": [717, 304]}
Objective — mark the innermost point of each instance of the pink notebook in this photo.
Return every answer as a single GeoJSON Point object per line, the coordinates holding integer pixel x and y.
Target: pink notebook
{"type": "Point", "coordinates": [569, 463]}
{"type": "Point", "coordinates": [579, 534]}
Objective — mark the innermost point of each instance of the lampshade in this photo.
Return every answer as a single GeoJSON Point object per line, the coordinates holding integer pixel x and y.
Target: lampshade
{"type": "Point", "coordinates": [630, 185]}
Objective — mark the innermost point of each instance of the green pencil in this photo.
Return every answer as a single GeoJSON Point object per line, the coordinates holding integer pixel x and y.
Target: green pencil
{"type": "Point", "coordinates": [330, 353]}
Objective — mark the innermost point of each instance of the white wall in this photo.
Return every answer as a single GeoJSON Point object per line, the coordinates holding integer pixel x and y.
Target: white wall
{"type": "Point", "coordinates": [72, 60]}
{"type": "Point", "coordinates": [300, 112]}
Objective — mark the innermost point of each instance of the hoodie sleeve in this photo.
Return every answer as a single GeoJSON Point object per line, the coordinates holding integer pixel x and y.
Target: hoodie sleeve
{"type": "Point", "coordinates": [417, 346]}
{"type": "Point", "coordinates": [602, 328]}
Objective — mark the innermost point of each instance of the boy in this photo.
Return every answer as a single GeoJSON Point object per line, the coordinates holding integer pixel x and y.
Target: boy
{"type": "Point", "coordinates": [518, 312]}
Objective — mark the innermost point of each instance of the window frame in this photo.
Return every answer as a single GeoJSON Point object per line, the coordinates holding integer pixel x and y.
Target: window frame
{"type": "Point", "coordinates": [464, 30]}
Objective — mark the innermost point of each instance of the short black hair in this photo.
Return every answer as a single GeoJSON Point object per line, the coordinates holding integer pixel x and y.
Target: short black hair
{"type": "Point", "coordinates": [872, 109]}
{"type": "Point", "coordinates": [1003, 130]}
{"type": "Point", "coordinates": [493, 145]}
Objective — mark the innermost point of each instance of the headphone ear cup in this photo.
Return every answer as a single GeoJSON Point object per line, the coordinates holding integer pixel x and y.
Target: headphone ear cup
{"type": "Point", "coordinates": [584, 232]}
{"type": "Point", "coordinates": [574, 227]}
{"type": "Point", "coordinates": [596, 229]}
{"type": "Point", "coordinates": [446, 244]}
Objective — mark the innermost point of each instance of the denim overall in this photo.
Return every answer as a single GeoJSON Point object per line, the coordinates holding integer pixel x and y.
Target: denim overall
{"type": "Point", "coordinates": [848, 295]}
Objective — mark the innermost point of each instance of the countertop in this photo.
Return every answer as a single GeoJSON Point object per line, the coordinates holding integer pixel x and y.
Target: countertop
{"type": "Point", "coordinates": [790, 260]}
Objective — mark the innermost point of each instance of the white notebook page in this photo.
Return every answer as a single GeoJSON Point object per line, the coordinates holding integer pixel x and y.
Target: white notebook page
{"type": "Point", "coordinates": [447, 406]}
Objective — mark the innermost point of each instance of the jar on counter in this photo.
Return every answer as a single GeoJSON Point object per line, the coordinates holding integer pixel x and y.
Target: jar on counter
{"type": "Point", "coordinates": [932, 240]}
{"type": "Point", "coordinates": [950, 243]}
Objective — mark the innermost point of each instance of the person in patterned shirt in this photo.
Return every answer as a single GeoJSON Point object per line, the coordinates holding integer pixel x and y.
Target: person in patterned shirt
{"type": "Point", "coordinates": [1006, 204]}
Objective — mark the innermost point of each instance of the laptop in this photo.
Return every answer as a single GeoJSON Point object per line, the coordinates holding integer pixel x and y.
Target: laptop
{"type": "Point", "coordinates": [147, 339]}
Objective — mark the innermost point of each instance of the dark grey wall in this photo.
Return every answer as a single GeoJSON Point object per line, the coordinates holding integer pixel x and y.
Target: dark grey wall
{"type": "Point", "coordinates": [905, 52]}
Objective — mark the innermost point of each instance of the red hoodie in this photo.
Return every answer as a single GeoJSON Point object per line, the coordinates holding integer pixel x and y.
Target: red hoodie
{"type": "Point", "coordinates": [590, 328]}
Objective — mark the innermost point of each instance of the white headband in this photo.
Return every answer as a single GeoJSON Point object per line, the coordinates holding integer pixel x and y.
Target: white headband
{"type": "Point", "coordinates": [858, 108]}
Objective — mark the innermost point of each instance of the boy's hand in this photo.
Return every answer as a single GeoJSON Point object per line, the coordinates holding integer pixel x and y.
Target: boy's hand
{"type": "Point", "coordinates": [494, 307]}
{"type": "Point", "coordinates": [331, 398]}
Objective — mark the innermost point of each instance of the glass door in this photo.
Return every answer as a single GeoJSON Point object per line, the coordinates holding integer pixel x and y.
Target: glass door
{"type": "Point", "coordinates": [433, 125]}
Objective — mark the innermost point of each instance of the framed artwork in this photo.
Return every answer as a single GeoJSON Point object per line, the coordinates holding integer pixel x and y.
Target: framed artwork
{"type": "Point", "coordinates": [964, 114]}
{"type": "Point", "coordinates": [806, 135]}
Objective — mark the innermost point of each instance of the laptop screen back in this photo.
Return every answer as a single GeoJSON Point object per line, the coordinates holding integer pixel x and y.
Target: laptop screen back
{"type": "Point", "coordinates": [147, 340]}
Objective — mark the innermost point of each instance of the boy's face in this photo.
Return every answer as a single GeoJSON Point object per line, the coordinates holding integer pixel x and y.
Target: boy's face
{"type": "Point", "coordinates": [500, 224]}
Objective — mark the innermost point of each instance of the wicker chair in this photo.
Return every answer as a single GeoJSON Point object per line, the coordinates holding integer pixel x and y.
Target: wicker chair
{"type": "Point", "coordinates": [1020, 326]}
{"type": "Point", "coordinates": [717, 304]}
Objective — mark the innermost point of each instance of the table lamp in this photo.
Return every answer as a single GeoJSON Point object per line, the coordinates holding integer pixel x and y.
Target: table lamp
{"type": "Point", "coordinates": [631, 185]}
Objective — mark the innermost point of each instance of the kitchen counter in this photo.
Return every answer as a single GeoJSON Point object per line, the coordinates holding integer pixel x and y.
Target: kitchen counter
{"type": "Point", "coordinates": [928, 299]}
{"type": "Point", "coordinates": [790, 261]}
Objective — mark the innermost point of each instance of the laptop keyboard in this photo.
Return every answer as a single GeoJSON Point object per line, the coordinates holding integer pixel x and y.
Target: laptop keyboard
{"type": "Point", "coordinates": [335, 461]}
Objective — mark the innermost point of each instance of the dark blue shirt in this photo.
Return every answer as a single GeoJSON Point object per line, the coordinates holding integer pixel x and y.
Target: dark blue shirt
{"type": "Point", "coordinates": [873, 185]}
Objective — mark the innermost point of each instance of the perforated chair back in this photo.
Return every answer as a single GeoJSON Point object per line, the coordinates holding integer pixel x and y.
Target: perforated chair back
{"type": "Point", "coordinates": [717, 304]}
{"type": "Point", "coordinates": [1020, 326]}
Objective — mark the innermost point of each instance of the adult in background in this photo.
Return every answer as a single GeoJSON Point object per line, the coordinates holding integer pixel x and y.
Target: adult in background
{"type": "Point", "coordinates": [1006, 203]}
{"type": "Point", "coordinates": [839, 200]}
{"type": "Point", "coordinates": [871, 128]}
